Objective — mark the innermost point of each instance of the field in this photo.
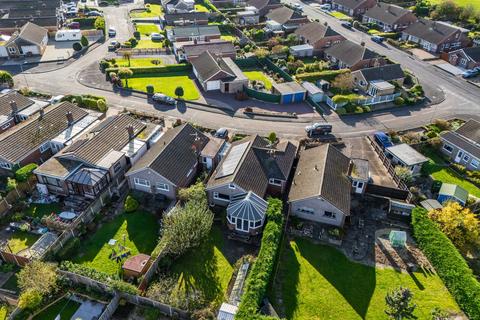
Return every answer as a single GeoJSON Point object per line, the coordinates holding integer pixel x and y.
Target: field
{"type": "Point", "coordinates": [321, 283]}
{"type": "Point", "coordinates": [65, 307]}
{"type": "Point", "coordinates": [38, 210]}
{"type": "Point", "coordinates": [137, 231]}
{"type": "Point", "coordinates": [138, 62]}
{"type": "Point", "coordinates": [205, 268]}
{"type": "Point", "coordinates": [438, 169]}
{"type": "Point", "coordinates": [21, 240]}
{"type": "Point", "coordinates": [155, 10]}
{"type": "Point", "coordinates": [461, 3]}
{"type": "Point", "coordinates": [166, 83]}
{"type": "Point", "coordinates": [258, 76]}
{"type": "Point", "coordinates": [147, 29]}
{"type": "Point", "coordinates": [340, 15]}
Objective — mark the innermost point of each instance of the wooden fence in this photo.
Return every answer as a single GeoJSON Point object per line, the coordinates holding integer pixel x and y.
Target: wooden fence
{"type": "Point", "coordinates": [111, 308]}
{"type": "Point", "coordinates": [14, 195]}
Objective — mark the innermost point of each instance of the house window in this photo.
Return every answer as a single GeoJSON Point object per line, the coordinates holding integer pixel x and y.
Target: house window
{"type": "Point", "coordinates": [204, 159]}
{"type": "Point", "coordinates": [44, 147]}
{"type": "Point", "coordinates": [221, 196]}
{"type": "Point", "coordinates": [251, 224]}
{"type": "Point", "coordinates": [258, 223]}
{"type": "Point", "coordinates": [448, 148]}
{"type": "Point", "coordinates": [5, 165]}
{"type": "Point", "coordinates": [276, 182]}
{"type": "Point", "coordinates": [306, 210]}
{"type": "Point", "coordinates": [360, 185]}
{"type": "Point", "coordinates": [6, 126]}
{"type": "Point", "coordinates": [116, 167]}
{"type": "Point", "coordinates": [463, 61]}
{"type": "Point", "coordinates": [329, 214]}
{"type": "Point", "coordinates": [12, 50]}
{"type": "Point", "coordinates": [466, 157]}
{"type": "Point", "coordinates": [354, 183]}
{"type": "Point", "coordinates": [163, 186]}
{"type": "Point", "coordinates": [474, 163]}
{"type": "Point", "coordinates": [141, 182]}
{"type": "Point", "coordinates": [231, 186]}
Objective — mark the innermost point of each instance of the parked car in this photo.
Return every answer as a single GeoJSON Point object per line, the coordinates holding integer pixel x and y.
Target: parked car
{"type": "Point", "coordinates": [326, 7]}
{"type": "Point", "coordinates": [159, 97]}
{"type": "Point", "coordinates": [347, 25]}
{"type": "Point", "coordinates": [318, 129]}
{"type": "Point", "coordinates": [377, 39]}
{"type": "Point", "coordinates": [113, 45]}
{"type": "Point", "coordinates": [94, 14]}
{"type": "Point", "coordinates": [471, 73]}
{"type": "Point", "coordinates": [72, 12]}
{"type": "Point", "coordinates": [383, 139]}
{"type": "Point", "coordinates": [221, 133]}
{"type": "Point", "coordinates": [112, 32]}
{"type": "Point", "coordinates": [73, 25]}
{"type": "Point", "coordinates": [157, 36]}
{"type": "Point", "coordinates": [55, 99]}
{"type": "Point", "coordinates": [297, 6]}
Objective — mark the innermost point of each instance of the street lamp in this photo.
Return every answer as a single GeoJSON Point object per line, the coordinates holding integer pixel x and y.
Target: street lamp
{"type": "Point", "coordinates": [24, 76]}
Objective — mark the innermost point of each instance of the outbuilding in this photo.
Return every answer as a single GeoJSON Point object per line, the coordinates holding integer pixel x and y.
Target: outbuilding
{"type": "Point", "coordinates": [136, 266]}
{"type": "Point", "coordinates": [302, 50]}
{"type": "Point", "coordinates": [452, 192]}
{"type": "Point", "coordinates": [404, 155]}
{"type": "Point", "coordinates": [246, 213]}
{"type": "Point", "coordinates": [313, 92]}
{"type": "Point", "coordinates": [290, 92]}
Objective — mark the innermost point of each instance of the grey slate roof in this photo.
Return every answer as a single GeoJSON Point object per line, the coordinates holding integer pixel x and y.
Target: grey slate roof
{"type": "Point", "coordinates": [173, 155]}
{"type": "Point", "coordinates": [16, 13]}
{"type": "Point", "coordinates": [170, 18]}
{"type": "Point", "coordinates": [257, 165]}
{"type": "Point", "coordinates": [29, 135]}
{"type": "Point", "coordinates": [387, 13]}
{"type": "Point", "coordinates": [432, 31]}
{"type": "Point", "coordinates": [313, 32]}
{"type": "Point", "coordinates": [32, 33]}
{"type": "Point", "coordinates": [322, 171]}
{"type": "Point", "coordinates": [352, 4]}
{"type": "Point", "coordinates": [21, 101]}
{"type": "Point", "coordinates": [350, 52]}
{"type": "Point", "coordinates": [470, 130]}
{"type": "Point", "coordinates": [467, 137]}
{"type": "Point", "coordinates": [218, 48]}
{"type": "Point", "coordinates": [212, 67]}
{"type": "Point", "coordinates": [195, 31]}
{"type": "Point", "coordinates": [248, 206]}
{"type": "Point", "coordinates": [387, 72]}
{"type": "Point", "coordinates": [280, 15]}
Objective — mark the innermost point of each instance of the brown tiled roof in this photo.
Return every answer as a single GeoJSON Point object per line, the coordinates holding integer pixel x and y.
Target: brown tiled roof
{"type": "Point", "coordinates": [313, 32]}
{"type": "Point", "coordinates": [350, 52]}
{"type": "Point", "coordinates": [351, 4]}
{"type": "Point", "coordinates": [322, 171]}
{"type": "Point", "coordinates": [281, 15]}
{"type": "Point", "coordinates": [173, 155]}
{"type": "Point", "coordinates": [33, 33]}
{"type": "Point", "coordinates": [387, 13]}
{"type": "Point", "coordinates": [432, 31]}
{"type": "Point", "coordinates": [21, 101]}
{"type": "Point", "coordinates": [22, 139]}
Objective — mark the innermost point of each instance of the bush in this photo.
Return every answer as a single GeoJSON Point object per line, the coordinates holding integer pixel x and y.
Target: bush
{"type": "Point", "coordinates": [358, 109]}
{"type": "Point", "coordinates": [99, 23]}
{"type": "Point", "coordinates": [85, 22]}
{"type": "Point", "coordinates": [399, 101]}
{"type": "Point", "coordinates": [327, 75]}
{"type": "Point", "coordinates": [131, 204]}
{"type": "Point", "coordinates": [448, 262]}
{"type": "Point", "coordinates": [136, 35]}
{"type": "Point", "coordinates": [101, 105]}
{"type": "Point", "coordinates": [156, 69]}
{"type": "Point", "coordinates": [104, 64]}
{"type": "Point", "coordinates": [25, 172]}
{"type": "Point", "coordinates": [366, 109]}
{"type": "Point", "coordinates": [77, 46]}
{"type": "Point", "coordinates": [259, 277]}
{"type": "Point", "coordinates": [30, 299]}
{"type": "Point", "coordinates": [84, 41]}
{"type": "Point", "coordinates": [341, 111]}
{"type": "Point", "coordinates": [6, 78]}
{"type": "Point", "coordinates": [150, 89]}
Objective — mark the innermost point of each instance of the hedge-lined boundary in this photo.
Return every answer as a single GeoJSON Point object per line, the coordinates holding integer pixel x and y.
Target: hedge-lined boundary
{"type": "Point", "coordinates": [448, 262]}
{"type": "Point", "coordinates": [261, 273]}
{"type": "Point", "coordinates": [327, 75]}
{"type": "Point", "coordinates": [159, 69]}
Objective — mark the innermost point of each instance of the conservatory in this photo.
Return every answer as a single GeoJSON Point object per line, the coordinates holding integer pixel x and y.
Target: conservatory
{"type": "Point", "coordinates": [246, 213]}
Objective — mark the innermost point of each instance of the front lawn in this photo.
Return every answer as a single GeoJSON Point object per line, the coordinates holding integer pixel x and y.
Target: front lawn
{"type": "Point", "coordinates": [201, 8]}
{"type": "Point", "coordinates": [149, 44]}
{"type": "Point", "coordinates": [38, 210]}
{"type": "Point", "coordinates": [340, 15]}
{"type": "Point", "coordinates": [319, 282]}
{"type": "Point", "coordinates": [147, 29]}
{"type": "Point", "coordinates": [438, 169]}
{"type": "Point", "coordinates": [205, 268]}
{"type": "Point", "coordinates": [65, 307]}
{"type": "Point", "coordinates": [151, 11]}
{"type": "Point", "coordinates": [139, 62]}
{"type": "Point", "coordinates": [166, 83]}
{"type": "Point", "coordinates": [228, 38]}
{"type": "Point", "coordinates": [3, 313]}
{"type": "Point", "coordinates": [259, 76]}
{"type": "Point", "coordinates": [137, 231]}
{"type": "Point", "coordinates": [20, 240]}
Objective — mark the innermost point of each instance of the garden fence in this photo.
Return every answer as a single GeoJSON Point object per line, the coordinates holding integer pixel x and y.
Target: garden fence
{"type": "Point", "coordinates": [111, 308]}
{"type": "Point", "coordinates": [14, 195]}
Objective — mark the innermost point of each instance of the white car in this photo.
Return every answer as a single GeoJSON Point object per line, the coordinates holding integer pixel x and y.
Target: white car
{"type": "Point", "coordinates": [55, 99]}
{"type": "Point", "coordinates": [112, 32]}
{"type": "Point", "coordinates": [156, 36]}
{"type": "Point", "coordinates": [297, 6]}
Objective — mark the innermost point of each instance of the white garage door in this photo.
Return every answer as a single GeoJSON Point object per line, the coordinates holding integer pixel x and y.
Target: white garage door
{"type": "Point", "coordinates": [213, 85]}
{"type": "Point", "coordinates": [32, 49]}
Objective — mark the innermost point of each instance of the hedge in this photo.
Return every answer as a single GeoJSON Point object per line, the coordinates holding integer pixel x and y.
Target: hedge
{"type": "Point", "coordinates": [88, 101]}
{"type": "Point", "coordinates": [261, 273]}
{"type": "Point", "coordinates": [25, 172]}
{"type": "Point", "coordinates": [327, 75]}
{"type": "Point", "coordinates": [156, 69]}
{"type": "Point", "coordinates": [85, 22]}
{"type": "Point", "coordinates": [448, 262]}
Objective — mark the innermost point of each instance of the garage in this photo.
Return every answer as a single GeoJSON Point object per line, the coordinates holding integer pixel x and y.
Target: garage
{"type": "Point", "coordinates": [290, 92]}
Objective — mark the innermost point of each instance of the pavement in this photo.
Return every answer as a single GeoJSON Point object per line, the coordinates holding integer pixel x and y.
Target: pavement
{"type": "Point", "coordinates": [449, 96]}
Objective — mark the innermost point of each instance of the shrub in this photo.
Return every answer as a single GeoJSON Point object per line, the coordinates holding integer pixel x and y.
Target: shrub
{"type": "Point", "coordinates": [25, 172]}
{"type": "Point", "coordinates": [104, 64]}
{"type": "Point", "coordinates": [11, 184]}
{"type": "Point", "coordinates": [358, 109]}
{"type": "Point", "coordinates": [366, 109]}
{"type": "Point", "coordinates": [341, 111]}
{"type": "Point", "coordinates": [448, 262]}
{"type": "Point", "coordinates": [156, 69]}
{"type": "Point", "coordinates": [327, 75]}
{"type": "Point", "coordinates": [131, 204]}
{"type": "Point", "coordinates": [133, 41]}
{"type": "Point", "coordinates": [150, 89]}
{"type": "Point", "coordinates": [29, 299]}
{"type": "Point", "coordinates": [77, 46]}
{"type": "Point", "coordinates": [101, 105]}
{"type": "Point", "coordinates": [6, 78]}
{"type": "Point", "coordinates": [84, 41]}
{"type": "Point", "coordinates": [136, 35]}
{"type": "Point", "coordinates": [85, 22]}
{"type": "Point", "coordinates": [399, 101]}
{"type": "Point", "coordinates": [99, 23]}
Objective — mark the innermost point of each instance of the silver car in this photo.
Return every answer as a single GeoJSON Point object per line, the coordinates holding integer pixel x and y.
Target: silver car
{"type": "Point", "coordinates": [161, 98]}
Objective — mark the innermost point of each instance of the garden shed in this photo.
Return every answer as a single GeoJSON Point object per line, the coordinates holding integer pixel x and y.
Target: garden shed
{"type": "Point", "coordinates": [290, 92]}
{"type": "Point", "coordinates": [314, 92]}
{"type": "Point", "coordinates": [302, 50]}
{"type": "Point", "coordinates": [452, 192]}
{"type": "Point", "coordinates": [400, 210]}
{"type": "Point", "coordinates": [136, 266]}
{"type": "Point", "coordinates": [398, 238]}
{"type": "Point", "coordinates": [246, 213]}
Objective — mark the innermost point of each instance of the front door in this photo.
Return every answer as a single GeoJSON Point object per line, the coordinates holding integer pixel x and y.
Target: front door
{"type": "Point", "coordinates": [459, 156]}
{"type": "Point", "coordinates": [227, 87]}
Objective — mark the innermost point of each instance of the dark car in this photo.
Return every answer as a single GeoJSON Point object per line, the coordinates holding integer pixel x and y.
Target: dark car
{"type": "Point", "coordinates": [347, 25]}
{"type": "Point", "coordinates": [318, 129]}
{"type": "Point", "coordinates": [221, 133]}
{"type": "Point", "coordinates": [377, 39]}
{"type": "Point", "coordinates": [113, 45]}
{"type": "Point", "coordinates": [383, 139]}
{"type": "Point", "coordinates": [161, 98]}
{"type": "Point", "coordinates": [74, 25]}
{"type": "Point", "coordinates": [94, 14]}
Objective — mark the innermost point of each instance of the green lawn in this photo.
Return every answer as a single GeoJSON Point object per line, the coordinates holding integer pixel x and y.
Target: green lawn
{"type": "Point", "coordinates": [153, 10]}
{"type": "Point", "coordinates": [147, 29]}
{"type": "Point", "coordinates": [38, 210]}
{"type": "Point", "coordinates": [259, 76]}
{"type": "Point", "coordinates": [3, 313]}
{"type": "Point", "coordinates": [20, 240]}
{"type": "Point", "coordinates": [65, 307]}
{"type": "Point", "coordinates": [138, 62]}
{"type": "Point", "coordinates": [166, 83]}
{"type": "Point", "coordinates": [140, 230]}
{"type": "Point", "coordinates": [340, 15]}
{"type": "Point", "coordinates": [201, 8]}
{"type": "Point", "coordinates": [149, 44]}
{"type": "Point", "coordinates": [462, 3]}
{"type": "Point", "coordinates": [438, 169]}
{"type": "Point", "coordinates": [228, 38]}
{"type": "Point", "coordinates": [319, 282]}
{"type": "Point", "coordinates": [205, 269]}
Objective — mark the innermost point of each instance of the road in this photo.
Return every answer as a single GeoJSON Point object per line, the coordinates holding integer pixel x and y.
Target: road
{"type": "Point", "coordinates": [460, 97]}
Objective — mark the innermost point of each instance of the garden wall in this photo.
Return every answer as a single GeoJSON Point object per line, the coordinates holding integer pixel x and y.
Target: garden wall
{"type": "Point", "coordinates": [264, 96]}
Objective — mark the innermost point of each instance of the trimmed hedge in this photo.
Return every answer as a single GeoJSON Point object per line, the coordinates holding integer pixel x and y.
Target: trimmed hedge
{"type": "Point", "coordinates": [261, 273]}
{"type": "Point", "coordinates": [159, 69]}
{"type": "Point", "coordinates": [25, 172]}
{"type": "Point", "coordinates": [327, 75]}
{"type": "Point", "coordinates": [85, 22]}
{"type": "Point", "coordinates": [448, 262]}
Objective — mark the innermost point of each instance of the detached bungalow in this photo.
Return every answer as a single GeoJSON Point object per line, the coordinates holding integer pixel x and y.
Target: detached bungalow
{"type": "Point", "coordinates": [466, 58]}
{"type": "Point", "coordinates": [353, 8]}
{"type": "Point", "coordinates": [389, 17]}
{"type": "Point", "coordinates": [348, 54]}
{"type": "Point", "coordinates": [218, 73]}
{"type": "Point", "coordinates": [188, 51]}
{"type": "Point", "coordinates": [199, 33]}
{"type": "Point", "coordinates": [178, 6]}
{"type": "Point", "coordinates": [31, 40]}
{"type": "Point", "coordinates": [262, 7]}
{"type": "Point", "coordinates": [319, 36]}
{"type": "Point", "coordinates": [363, 78]}
{"type": "Point", "coordinates": [463, 145]}
{"type": "Point", "coordinates": [186, 18]}
{"type": "Point", "coordinates": [285, 19]}
{"type": "Point", "coordinates": [436, 36]}
{"type": "Point", "coordinates": [405, 156]}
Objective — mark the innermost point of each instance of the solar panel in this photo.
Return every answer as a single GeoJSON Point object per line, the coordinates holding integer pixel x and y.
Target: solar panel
{"type": "Point", "coordinates": [232, 160]}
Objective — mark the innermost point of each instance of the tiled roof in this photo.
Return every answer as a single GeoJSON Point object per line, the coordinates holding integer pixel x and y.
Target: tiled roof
{"type": "Point", "coordinates": [313, 32]}
{"type": "Point", "coordinates": [32, 33]}
{"type": "Point", "coordinates": [21, 102]}
{"type": "Point", "coordinates": [387, 72]}
{"type": "Point", "coordinates": [280, 15]}
{"type": "Point", "coordinates": [352, 4]}
{"type": "Point", "coordinates": [211, 67]}
{"type": "Point", "coordinates": [218, 48]}
{"type": "Point", "coordinates": [170, 18]}
{"type": "Point", "coordinates": [350, 52]}
{"type": "Point", "coordinates": [387, 13]}
{"type": "Point", "coordinates": [467, 137]}
{"type": "Point", "coordinates": [432, 31]}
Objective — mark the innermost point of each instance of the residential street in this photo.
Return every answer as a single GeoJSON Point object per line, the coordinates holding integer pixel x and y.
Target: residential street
{"type": "Point", "coordinates": [460, 97]}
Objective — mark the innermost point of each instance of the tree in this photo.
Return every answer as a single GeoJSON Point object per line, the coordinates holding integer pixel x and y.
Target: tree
{"type": "Point", "coordinates": [399, 304]}
{"type": "Point", "coordinates": [125, 73]}
{"type": "Point", "coordinates": [131, 204]}
{"type": "Point", "coordinates": [39, 276]}
{"type": "Point", "coordinates": [99, 24]}
{"type": "Point", "coordinates": [467, 12]}
{"type": "Point", "coordinates": [261, 53]}
{"type": "Point", "coordinates": [404, 174]}
{"type": "Point", "coordinates": [272, 137]}
{"type": "Point", "coordinates": [77, 46]}
{"type": "Point", "coordinates": [446, 9]}
{"type": "Point", "coordinates": [179, 91]}
{"type": "Point", "coordinates": [272, 42]}
{"type": "Point", "coordinates": [30, 299]}
{"type": "Point", "coordinates": [6, 78]}
{"type": "Point", "coordinates": [279, 49]}
{"type": "Point", "coordinates": [458, 223]}
{"type": "Point", "coordinates": [127, 54]}
{"type": "Point", "coordinates": [343, 81]}
{"type": "Point", "coordinates": [84, 41]}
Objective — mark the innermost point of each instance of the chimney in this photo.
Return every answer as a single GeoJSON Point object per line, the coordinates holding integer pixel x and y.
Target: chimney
{"type": "Point", "coordinates": [195, 41]}
{"type": "Point", "coordinates": [362, 43]}
{"type": "Point", "coordinates": [131, 135]}
{"type": "Point", "coordinates": [41, 113]}
{"type": "Point", "coordinates": [14, 107]}
{"type": "Point", "coordinates": [69, 116]}
{"type": "Point", "coordinates": [316, 168]}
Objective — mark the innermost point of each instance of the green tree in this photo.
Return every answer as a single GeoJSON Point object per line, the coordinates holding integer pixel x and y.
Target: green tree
{"type": "Point", "coordinates": [131, 204]}
{"type": "Point", "coordinates": [439, 314]}
{"type": "Point", "coordinates": [39, 276]}
{"type": "Point", "coordinates": [99, 24]}
{"type": "Point", "coordinates": [125, 73]}
{"type": "Point", "coordinates": [404, 174]}
{"type": "Point", "coordinates": [84, 41]}
{"type": "Point", "coordinates": [343, 81]}
{"type": "Point", "coordinates": [179, 91]}
{"type": "Point", "coordinates": [194, 192]}
{"type": "Point", "coordinates": [25, 172]}
{"type": "Point", "coordinates": [30, 299]}
{"type": "Point", "coordinates": [101, 105]}
{"type": "Point", "coordinates": [6, 78]}
{"type": "Point", "coordinates": [399, 304]}
{"type": "Point", "coordinates": [272, 137]}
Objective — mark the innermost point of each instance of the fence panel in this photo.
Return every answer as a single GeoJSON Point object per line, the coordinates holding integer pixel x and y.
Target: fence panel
{"type": "Point", "coordinates": [111, 308]}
